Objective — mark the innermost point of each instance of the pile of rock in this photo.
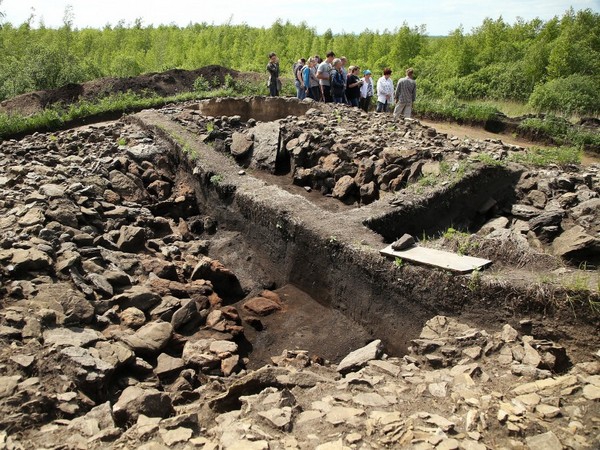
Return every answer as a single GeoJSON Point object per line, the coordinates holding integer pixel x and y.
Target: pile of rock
{"type": "Point", "coordinates": [107, 291]}
{"type": "Point", "coordinates": [557, 211]}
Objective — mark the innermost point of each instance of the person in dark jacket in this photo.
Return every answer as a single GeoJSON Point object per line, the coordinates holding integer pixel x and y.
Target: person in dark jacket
{"type": "Point", "coordinates": [338, 84]}
{"type": "Point", "coordinates": [273, 69]}
{"type": "Point", "coordinates": [353, 84]}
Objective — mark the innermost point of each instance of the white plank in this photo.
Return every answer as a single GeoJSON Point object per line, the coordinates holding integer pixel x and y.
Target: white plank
{"type": "Point", "coordinates": [438, 258]}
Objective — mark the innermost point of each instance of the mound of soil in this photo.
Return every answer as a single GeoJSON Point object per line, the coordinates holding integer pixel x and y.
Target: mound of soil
{"type": "Point", "coordinates": [164, 84]}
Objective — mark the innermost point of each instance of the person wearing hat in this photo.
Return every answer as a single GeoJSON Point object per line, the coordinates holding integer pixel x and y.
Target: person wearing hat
{"type": "Point", "coordinates": [366, 90]}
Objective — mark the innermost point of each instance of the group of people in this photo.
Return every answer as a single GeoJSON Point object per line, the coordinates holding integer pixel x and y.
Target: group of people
{"type": "Point", "coordinates": [329, 80]}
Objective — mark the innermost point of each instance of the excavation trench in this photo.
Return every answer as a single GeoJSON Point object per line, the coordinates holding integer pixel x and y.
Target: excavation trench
{"type": "Point", "coordinates": [339, 291]}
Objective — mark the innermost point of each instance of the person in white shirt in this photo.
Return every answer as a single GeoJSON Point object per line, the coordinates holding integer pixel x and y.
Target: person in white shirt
{"type": "Point", "coordinates": [385, 90]}
{"type": "Point", "coordinates": [366, 90]}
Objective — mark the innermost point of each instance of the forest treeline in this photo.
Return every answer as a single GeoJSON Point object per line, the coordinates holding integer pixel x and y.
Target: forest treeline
{"type": "Point", "coordinates": [552, 65]}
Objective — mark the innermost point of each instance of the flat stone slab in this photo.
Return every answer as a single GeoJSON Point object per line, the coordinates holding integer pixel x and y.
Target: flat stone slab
{"type": "Point", "coordinates": [438, 258]}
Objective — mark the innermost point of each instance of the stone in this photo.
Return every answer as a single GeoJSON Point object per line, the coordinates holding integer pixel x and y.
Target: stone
{"type": "Point", "coordinates": [150, 339]}
{"type": "Point", "coordinates": [546, 219]}
{"type": "Point", "coordinates": [448, 444]}
{"type": "Point", "coordinates": [198, 353]}
{"type": "Point", "coordinates": [241, 145]}
{"type": "Point", "coordinates": [368, 192]}
{"type": "Point", "coordinates": [143, 152]}
{"type": "Point", "coordinates": [591, 392]}
{"type": "Point", "coordinates": [278, 418]}
{"type": "Point", "coordinates": [439, 421]}
{"type": "Point", "coordinates": [52, 190]}
{"type": "Point", "coordinates": [176, 436]}
{"type": "Point", "coordinates": [129, 187]}
{"type": "Point", "coordinates": [344, 187]}
{"type": "Point", "coordinates": [78, 337]}
{"type": "Point", "coordinates": [115, 353]}
{"type": "Point", "coordinates": [224, 281]}
{"type": "Point", "coordinates": [132, 318]}
{"type": "Point", "coordinates": [86, 367]}
{"type": "Point", "coordinates": [544, 441]}
{"type": "Point", "coordinates": [509, 334]}
{"type": "Point", "coordinates": [386, 366]}
{"type": "Point", "coordinates": [167, 366]}
{"type": "Point", "coordinates": [531, 356]}
{"type": "Point", "coordinates": [547, 411]}
{"type": "Point", "coordinates": [184, 314]}
{"type": "Point", "coordinates": [8, 385]}
{"type": "Point", "coordinates": [575, 243]}
{"type": "Point", "coordinates": [333, 445]}
{"type": "Point", "coordinates": [340, 414]}
{"type": "Point", "coordinates": [29, 260]}
{"type": "Point", "coordinates": [358, 358]}
{"type": "Point", "coordinates": [438, 389]}
{"type": "Point", "coordinates": [131, 239]}
{"type": "Point", "coordinates": [34, 216]}
{"type": "Point", "coordinates": [524, 212]}
{"type": "Point", "coordinates": [371, 399]}
{"type": "Point", "coordinates": [406, 241]}
{"type": "Point", "coordinates": [139, 297]}
{"type": "Point", "coordinates": [135, 400]}
{"type": "Point", "coordinates": [266, 146]}
{"type": "Point", "coordinates": [262, 306]}
{"type": "Point", "coordinates": [97, 419]}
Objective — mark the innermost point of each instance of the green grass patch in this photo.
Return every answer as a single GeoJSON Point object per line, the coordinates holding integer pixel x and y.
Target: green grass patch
{"type": "Point", "coordinates": [562, 132]}
{"type": "Point", "coordinates": [454, 110]}
{"type": "Point", "coordinates": [542, 157]}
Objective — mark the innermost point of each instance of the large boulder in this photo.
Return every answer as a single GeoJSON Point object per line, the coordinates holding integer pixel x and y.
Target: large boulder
{"type": "Point", "coordinates": [135, 400]}
{"type": "Point", "coordinates": [266, 146]}
{"type": "Point", "coordinates": [575, 243]}
{"type": "Point", "coordinates": [150, 339]}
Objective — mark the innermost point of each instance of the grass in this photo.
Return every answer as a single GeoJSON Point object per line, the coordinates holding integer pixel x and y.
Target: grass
{"type": "Point", "coordinates": [543, 157]}
{"type": "Point", "coordinates": [510, 108]}
{"type": "Point", "coordinates": [452, 109]}
{"type": "Point", "coordinates": [216, 180]}
{"type": "Point", "coordinates": [561, 132]}
{"type": "Point", "coordinates": [58, 116]}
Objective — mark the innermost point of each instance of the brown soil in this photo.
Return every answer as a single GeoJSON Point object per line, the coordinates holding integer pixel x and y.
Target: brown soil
{"type": "Point", "coordinates": [164, 84]}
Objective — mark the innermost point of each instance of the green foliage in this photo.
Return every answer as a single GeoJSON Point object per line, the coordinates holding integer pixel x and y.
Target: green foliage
{"type": "Point", "coordinates": [554, 65]}
{"type": "Point", "coordinates": [560, 131]}
{"type": "Point", "coordinates": [216, 180]}
{"type": "Point", "coordinates": [574, 94]}
{"type": "Point", "coordinates": [398, 262]}
{"type": "Point", "coordinates": [542, 157]}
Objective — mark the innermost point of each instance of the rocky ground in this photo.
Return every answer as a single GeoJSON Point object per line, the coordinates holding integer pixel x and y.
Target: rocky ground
{"type": "Point", "coordinates": [358, 158]}
{"type": "Point", "coordinates": [118, 331]}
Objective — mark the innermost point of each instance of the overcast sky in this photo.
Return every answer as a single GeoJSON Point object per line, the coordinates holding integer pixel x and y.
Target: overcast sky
{"type": "Point", "coordinates": [440, 17]}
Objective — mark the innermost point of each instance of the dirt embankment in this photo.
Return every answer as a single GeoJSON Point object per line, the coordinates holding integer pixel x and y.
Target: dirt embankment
{"type": "Point", "coordinates": [166, 83]}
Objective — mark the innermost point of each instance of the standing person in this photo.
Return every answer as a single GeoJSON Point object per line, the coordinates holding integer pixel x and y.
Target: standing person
{"type": "Point", "coordinates": [309, 76]}
{"type": "Point", "coordinates": [324, 76]}
{"type": "Point", "coordinates": [273, 69]}
{"type": "Point", "coordinates": [338, 82]}
{"type": "Point", "coordinates": [385, 90]}
{"type": "Point", "coordinates": [353, 84]}
{"type": "Point", "coordinates": [406, 94]}
{"type": "Point", "coordinates": [345, 75]}
{"type": "Point", "coordinates": [298, 81]}
{"type": "Point", "coordinates": [366, 90]}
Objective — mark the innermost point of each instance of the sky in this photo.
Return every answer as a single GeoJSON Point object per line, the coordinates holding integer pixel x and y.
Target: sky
{"type": "Point", "coordinates": [440, 17]}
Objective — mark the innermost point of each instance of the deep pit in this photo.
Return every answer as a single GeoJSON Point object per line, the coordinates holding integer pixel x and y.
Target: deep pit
{"type": "Point", "coordinates": [151, 272]}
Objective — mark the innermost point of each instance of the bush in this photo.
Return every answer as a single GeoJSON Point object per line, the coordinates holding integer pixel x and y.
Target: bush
{"type": "Point", "coordinates": [575, 94]}
{"type": "Point", "coordinates": [201, 84]}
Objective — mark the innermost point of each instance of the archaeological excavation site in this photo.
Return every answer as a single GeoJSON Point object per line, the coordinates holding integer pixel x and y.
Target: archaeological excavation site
{"type": "Point", "coordinates": [269, 273]}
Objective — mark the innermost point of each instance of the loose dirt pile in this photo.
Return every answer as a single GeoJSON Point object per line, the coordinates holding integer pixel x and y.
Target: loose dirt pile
{"type": "Point", "coordinates": [167, 83]}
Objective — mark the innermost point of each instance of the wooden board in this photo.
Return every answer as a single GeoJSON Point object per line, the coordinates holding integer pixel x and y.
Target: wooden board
{"type": "Point", "coordinates": [438, 258]}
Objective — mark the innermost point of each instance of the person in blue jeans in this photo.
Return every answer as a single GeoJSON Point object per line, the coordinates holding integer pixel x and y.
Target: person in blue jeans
{"type": "Point", "coordinates": [299, 82]}
{"type": "Point", "coordinates": [338, 84]}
